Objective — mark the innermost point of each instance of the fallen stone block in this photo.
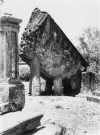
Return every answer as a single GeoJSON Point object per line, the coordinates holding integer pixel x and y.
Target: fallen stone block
{"type": "Point", "coordinates": [18, 123]}
{"type": "Point", "coordinates": [93, 99]}
{"type": "Point", "coordinates": [48, 129]}
{"type": "Point", "coordinates": [96, 93]}
{"type": "Point", "coordinates": [12, 97]}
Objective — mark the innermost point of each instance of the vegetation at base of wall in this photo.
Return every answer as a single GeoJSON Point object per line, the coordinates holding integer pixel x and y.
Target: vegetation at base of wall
{"type": "Point", "coordinates": [24, 73]}
{"type": "Point", "coordinates": [89, 47]}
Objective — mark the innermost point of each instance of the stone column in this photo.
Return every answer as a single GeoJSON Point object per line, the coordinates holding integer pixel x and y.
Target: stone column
{"type": "Point", "coordinates": [12, 94]}
{"type": "Point", "coordinates": [35, 85]}
{"type": "Point", "coordinates": [58, 86]}
{"type": "Point", "coordinates": [88, 82]}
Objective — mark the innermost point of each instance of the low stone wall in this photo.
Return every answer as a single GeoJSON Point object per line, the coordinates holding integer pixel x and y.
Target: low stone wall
{"type": "Point", "coordinates": [90, 82]}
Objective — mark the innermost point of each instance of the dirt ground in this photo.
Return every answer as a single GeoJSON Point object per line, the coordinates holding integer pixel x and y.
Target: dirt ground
{"type": "Point", "coordinates": [75, 115]}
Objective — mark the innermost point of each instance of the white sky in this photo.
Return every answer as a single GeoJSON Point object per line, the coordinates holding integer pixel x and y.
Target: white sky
{"type": "Point", "coordinates": [71, 15]}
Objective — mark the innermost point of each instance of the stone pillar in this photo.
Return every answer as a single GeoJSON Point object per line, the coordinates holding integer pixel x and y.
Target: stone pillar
{"type": "Point", "coordinates": [35, 85]}
{"type": "Point", "coordinates": [12, 94]}
{"type": "Point", "coordinates": [88, 82]}
{"type": "Point", "coordinates": [58, 86]}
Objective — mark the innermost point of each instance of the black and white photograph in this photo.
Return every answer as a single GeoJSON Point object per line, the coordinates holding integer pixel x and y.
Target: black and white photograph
{"type": "Point", "coordinates": [49, 67]}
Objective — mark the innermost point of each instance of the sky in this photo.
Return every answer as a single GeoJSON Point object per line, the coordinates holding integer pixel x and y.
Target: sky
{"type": "Point", "coordinates": [73, 16]}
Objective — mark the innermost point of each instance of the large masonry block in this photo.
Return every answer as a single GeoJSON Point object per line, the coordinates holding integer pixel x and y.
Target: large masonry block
{"type": "Point", "coordinates": [12, 95]}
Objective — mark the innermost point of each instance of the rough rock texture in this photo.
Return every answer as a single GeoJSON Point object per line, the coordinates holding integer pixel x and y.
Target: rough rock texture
{"type": "Point", "coordinates": [76, 114]}
{"type": "Point", "coordinates": [12, 97]}
{"type": "Point", "coordinates": [49, 129]}
{"type": "Point", "coordinates": [57, 55]}
{"type": "Point", "coordinates": [94, 96]}
{"type": "Point", "coordinates": [19, 122]}
{"type": "Point", "coordinates": [12, 94]}
{"type": "Point", "coordinates": [90, 82]}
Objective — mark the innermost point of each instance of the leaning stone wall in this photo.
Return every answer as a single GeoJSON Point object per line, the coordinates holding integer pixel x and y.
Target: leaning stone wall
{"type": "Point", "coordinates": [45, 41]}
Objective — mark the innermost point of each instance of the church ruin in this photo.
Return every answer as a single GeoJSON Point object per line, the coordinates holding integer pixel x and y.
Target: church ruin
{"type": "Point", "coordinates": [51, 55]}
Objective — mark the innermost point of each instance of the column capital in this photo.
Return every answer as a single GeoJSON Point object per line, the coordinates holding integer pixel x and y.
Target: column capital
{"type": "Point", "coordinates": [7, 20]}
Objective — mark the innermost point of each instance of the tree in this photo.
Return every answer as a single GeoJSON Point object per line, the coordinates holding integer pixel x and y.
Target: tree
{"type": "Point", "coordinates": [90, 46]}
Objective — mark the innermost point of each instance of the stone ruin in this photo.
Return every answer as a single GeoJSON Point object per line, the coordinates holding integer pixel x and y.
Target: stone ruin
{"type": "Point", "coordinates": [12, 94]}
{"type": "Point", "coordinates": [48, 52]}
{"type": "Point", "coordinates": [52, 56]}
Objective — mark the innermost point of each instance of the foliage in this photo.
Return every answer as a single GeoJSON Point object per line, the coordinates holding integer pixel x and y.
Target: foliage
{"type": "Point", "coordinates": [24, 73]}
{"type": "Point", "coordinates": [90, 47]}
{"type": "Point", "coordinates": [20, 59]}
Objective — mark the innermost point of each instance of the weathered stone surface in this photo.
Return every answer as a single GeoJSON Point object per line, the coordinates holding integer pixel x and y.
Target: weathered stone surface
{"type": "Point", "coordinates": [93, 98]}
{"type": "Point", "coordinates": [96, 93]}
{"type": "Point", "coordinates": [58, 86]}
{"type": "Point", "coordinates": [19, 122]}
{"type": "Point", "coordinates": [57, 55]}
{"type": "Point", "coordinates": [48, 129]}
{"type": "Point", "coordinates": [72, 86]}
{"type": "Point", "coordinates": [17, 97]}
{"type": "Point", "coordinates": [35, 76]}
{"type": "Point", "coordinates": [90, 82]}
{"type": "Point", "coordinates": [12, 95]}
{"type": "Point", "coordinates": [4, 108]}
